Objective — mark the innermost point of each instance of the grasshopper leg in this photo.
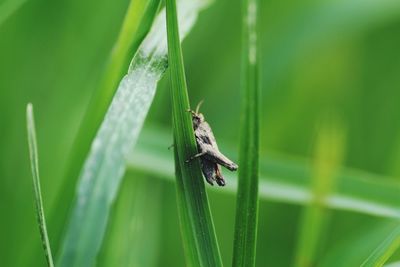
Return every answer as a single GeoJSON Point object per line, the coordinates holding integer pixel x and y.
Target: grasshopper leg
{"type": "Point", "coordinates": [196, 156]}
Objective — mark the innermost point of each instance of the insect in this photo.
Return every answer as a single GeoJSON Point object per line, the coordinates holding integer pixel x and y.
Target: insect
{"type": "Point", "coordinates": [210, 156]}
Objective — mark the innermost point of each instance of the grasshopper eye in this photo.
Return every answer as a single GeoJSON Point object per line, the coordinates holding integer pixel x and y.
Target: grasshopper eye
{"type": "Point", "coordinates": [200, 117]}
{"type": "Point", "coordinates": [196, 121]}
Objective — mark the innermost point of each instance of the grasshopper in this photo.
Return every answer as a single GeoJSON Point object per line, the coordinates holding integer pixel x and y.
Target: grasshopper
{"type": "Point", "coordinates": [210, 156]}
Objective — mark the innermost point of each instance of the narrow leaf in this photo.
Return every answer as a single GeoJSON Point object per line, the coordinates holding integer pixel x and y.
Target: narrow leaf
{"type": "Point", "coordinates": [105, 165]}
{"type": "Point", "coordinates": [383, 252]}
{"type": "Point", "coordinates": [33, 153]}
{"type": "Point", "coordinates": [244, 252]}
{"type": "Point", "coordinates": [197, 227]}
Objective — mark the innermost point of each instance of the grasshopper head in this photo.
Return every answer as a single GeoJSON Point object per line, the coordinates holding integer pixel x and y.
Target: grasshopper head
{"type": "Point", "coordinates": [197, 118]}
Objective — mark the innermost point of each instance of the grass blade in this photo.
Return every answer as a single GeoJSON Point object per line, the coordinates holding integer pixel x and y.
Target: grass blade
{"type": "Point", "coordinates": [198, 233]}
{"type": "Point", "coordinates": [383, 252]}
{"type": "Point", "coordinates": [105, 165]}
{"type": "Point", "coordinates": [244, 252]}
{"type": "Point", "coordinates": [284, 179]}
{"type": "Point", "coordinates": [33, 153]}
{"type": "Point", "coordinates": [315, 218]}
{"type": "Point", "coordinates": [137, 22]}
{"type": "Point", "coordinates": [360, 243]}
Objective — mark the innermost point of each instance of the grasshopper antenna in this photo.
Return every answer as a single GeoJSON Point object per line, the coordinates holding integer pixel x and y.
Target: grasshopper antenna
{"type": "Point", "coordinates": [199, 105]}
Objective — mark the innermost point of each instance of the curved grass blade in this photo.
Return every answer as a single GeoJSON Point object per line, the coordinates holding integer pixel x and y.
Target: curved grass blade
{"type": "Point", "coordinates": [137, 22]}
{"type": "Point", "coordinates": [284, 179]}
{"type": "Point", "coordinates": [315, 217]}
{"type": "Point", "coordinates": [383, 252]}
{"type": "Point", "coordinates": [197, 227]}
{"type": "Point", "coordinates": [353, 249]}
{"type": "Point", "coordinates": [244, 250]}
{"type": "Point", "coordinates": [105, 164]}
{"type": "Point", "coordinates": [33, 153]}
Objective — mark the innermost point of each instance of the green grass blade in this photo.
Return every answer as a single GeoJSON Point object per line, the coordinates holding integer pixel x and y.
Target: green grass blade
{"type": "Point", "coordinates": [283, 179]}
{"type": "Point", "coordinates": [33, 153]}
{"type": "Point", "coordinates": [198, 232]}
{"type": "Point", "coordinates": [137, 22]}
{"type": "Point", "coordinates": [105, 165]}
{"type": "Point", "coordinates": [354, 248]}
{"type": "Point", "coordinates": [329, 151]}
{"type": "Point", "coordinates": [244, 252]}
{"type": "Point", "coordinates": [383, 252]}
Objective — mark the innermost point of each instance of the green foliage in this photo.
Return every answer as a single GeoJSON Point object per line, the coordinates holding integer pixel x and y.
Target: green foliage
{"type": "Point", "coordinates": [138, 19]}
{"type": "Point", "coordinates": [33, 153]}
{"type": "Point", "coordinates": [385, 250]}
{"type": "Point", "coordinates": [197, 228]}
{"type": "Point", "coordinates": [340, 56]}
{"type": "Point", "coordinates": [361, 243]}
{"type": "Point", "coordinates": [96, 191]}
{"type": "Point", "coordinates": [244, 252]}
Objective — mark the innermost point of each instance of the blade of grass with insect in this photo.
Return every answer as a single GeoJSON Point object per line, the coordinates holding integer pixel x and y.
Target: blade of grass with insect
{"type": "Point", "coordinates": [314, 220]}
{"type": "Point", "coordinates": [138, 19]}
{"type": "Point", "coordinates": [383, 252]}
{"type": "Point", "coordinates": [282, 179]}
{"type": "Point", "coordinates": [105, 165]}
{"type": "Point", "coordinates": [244, 250]}
{"type": "Point", "coordinates": [197, 227]}
{"type": "Point", "coordinates": [34, 157]}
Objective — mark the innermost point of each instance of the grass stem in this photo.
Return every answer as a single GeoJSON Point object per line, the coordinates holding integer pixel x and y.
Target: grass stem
{"type": "Point", "coordinates": [197, 227]}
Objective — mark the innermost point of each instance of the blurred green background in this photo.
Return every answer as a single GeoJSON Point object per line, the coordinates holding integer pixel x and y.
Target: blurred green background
{"type": "Point", "coordinates": [318, 57]}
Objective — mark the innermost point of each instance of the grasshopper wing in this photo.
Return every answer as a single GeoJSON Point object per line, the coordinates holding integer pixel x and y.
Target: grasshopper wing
{"type": "Point", "coordinates": [207, 144]}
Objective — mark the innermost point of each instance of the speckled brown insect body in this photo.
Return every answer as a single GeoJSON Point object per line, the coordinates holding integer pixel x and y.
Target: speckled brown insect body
{"type": "Point", "coordinates": [210, 156]}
